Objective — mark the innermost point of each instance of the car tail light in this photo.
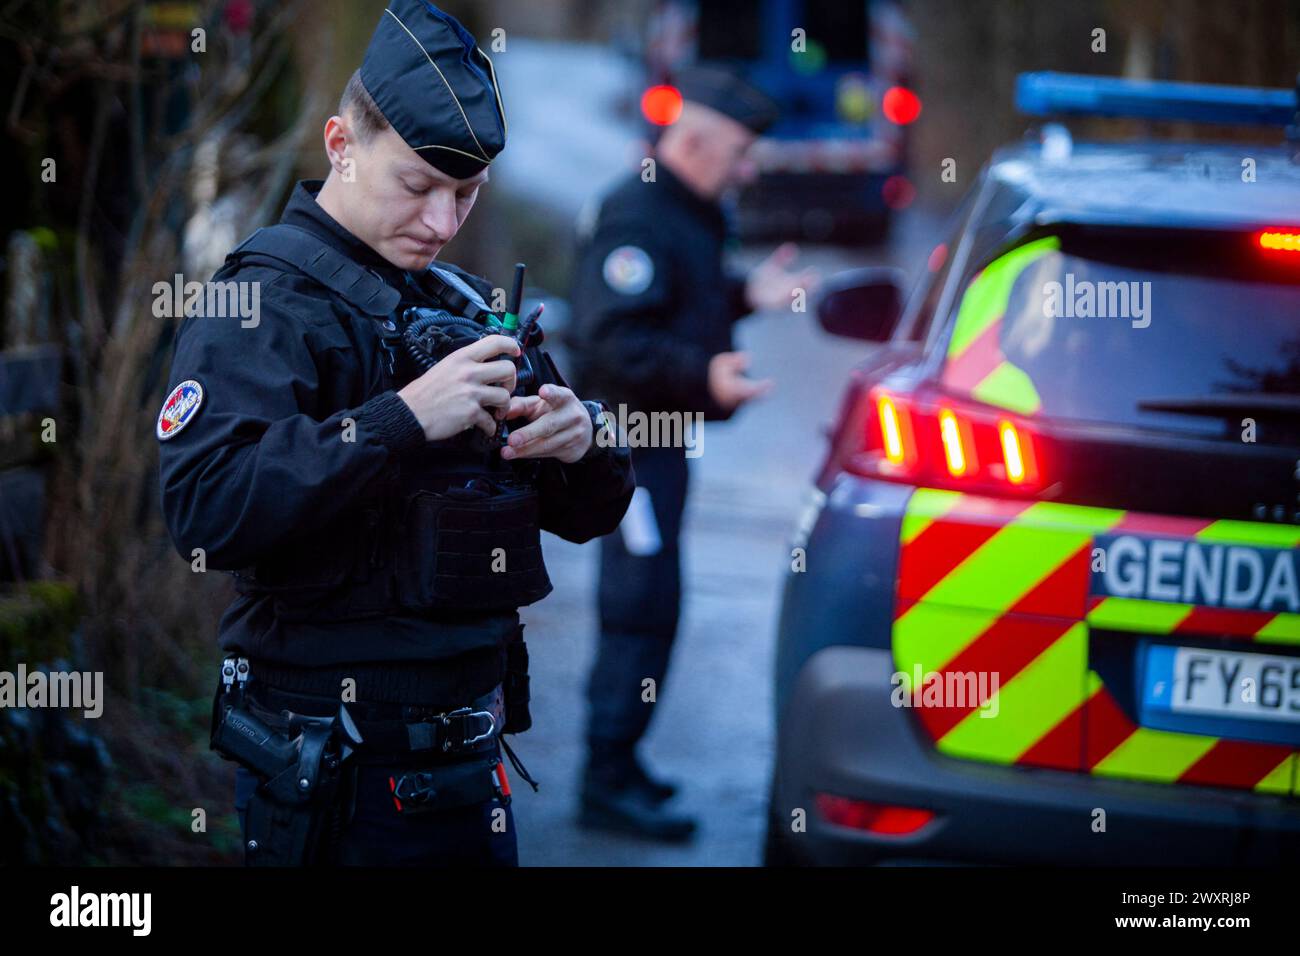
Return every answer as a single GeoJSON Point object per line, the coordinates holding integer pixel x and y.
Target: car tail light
{"type": "Point", "coordinates": [876, 818]}
{"type": "Point", "coordinates": [944, 442]}
{"type": "Point", "coordinates": [1277, 240]}
{"type": "Point", "coordinates": [900, 105]}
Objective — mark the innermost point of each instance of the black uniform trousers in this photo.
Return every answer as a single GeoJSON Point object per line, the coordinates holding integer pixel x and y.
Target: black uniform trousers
{"type": "Point", "coordinates": [639, 604]}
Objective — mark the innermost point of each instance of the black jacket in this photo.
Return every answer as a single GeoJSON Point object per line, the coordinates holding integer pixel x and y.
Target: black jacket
{"type": "Point", "coordinates": [261, 463]}
{"type": "Point", "coordinates": [652, 302]}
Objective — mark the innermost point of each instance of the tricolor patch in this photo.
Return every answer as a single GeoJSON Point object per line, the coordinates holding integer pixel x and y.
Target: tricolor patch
{"type": "Point", "coordinates": [179, 409]}
{"type": "Point", "coordinates": [629, 270]}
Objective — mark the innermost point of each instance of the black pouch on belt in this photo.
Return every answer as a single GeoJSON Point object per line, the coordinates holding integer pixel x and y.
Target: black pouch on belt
{"type": "Point", "coordinates": [514, 685]}
{"type": "Point", "coordinates": [445, 786]}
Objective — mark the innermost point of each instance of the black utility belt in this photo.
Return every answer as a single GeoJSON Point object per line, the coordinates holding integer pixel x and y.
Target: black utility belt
{"type": "Point", "coordinates": [395, 731]}
{"type": "Point", "coordinates": [471, 547]}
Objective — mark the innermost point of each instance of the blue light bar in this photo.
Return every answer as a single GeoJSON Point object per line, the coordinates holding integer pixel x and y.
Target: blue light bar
{"type": "Point", "coordinates": [1073, 94]}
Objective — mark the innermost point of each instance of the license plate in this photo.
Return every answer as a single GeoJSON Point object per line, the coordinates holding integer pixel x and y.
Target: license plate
{"type": "Point", "coordinates": [1245, 688]}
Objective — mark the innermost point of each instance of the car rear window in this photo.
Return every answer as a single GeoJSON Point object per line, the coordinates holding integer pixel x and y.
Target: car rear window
{"type": "Point", "coordinates": [1141, 332]}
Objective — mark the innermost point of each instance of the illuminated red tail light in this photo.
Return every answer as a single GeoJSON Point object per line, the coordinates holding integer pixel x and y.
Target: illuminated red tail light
{"type": "Point", "coordinates": [947, 443]}
{"type": "Point", "coordinates": [876, 818]}
{"type": "Point", "coordinates": [1280, 240]}
{"type": "Point", "coordinates": [900, 105]}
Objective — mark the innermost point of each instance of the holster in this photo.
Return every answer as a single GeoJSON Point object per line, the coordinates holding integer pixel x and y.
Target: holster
{"type": "Point", "coordinates": [295, 816]}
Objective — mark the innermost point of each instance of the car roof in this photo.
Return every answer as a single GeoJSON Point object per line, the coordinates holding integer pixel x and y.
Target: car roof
{"type": "Point", "coordinates": [1156, 185]}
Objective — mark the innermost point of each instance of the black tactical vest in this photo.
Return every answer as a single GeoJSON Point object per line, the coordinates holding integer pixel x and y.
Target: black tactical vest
{"type": "Point", "coordinates": [446, 529]}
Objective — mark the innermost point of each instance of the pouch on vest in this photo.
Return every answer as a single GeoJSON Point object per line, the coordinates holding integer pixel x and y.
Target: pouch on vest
{"type": "Point", "coordinates": [476, 547]}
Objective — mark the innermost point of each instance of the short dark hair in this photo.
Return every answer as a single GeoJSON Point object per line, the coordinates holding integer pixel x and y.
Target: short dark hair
{"type": "Point", "coordinates": [366, 117]}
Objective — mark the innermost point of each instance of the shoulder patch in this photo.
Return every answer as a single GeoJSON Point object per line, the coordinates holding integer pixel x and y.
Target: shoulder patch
{"type": "Point", "coordinates": [179, 409]}
{"type": "Point", "coordinates": [629, 270]}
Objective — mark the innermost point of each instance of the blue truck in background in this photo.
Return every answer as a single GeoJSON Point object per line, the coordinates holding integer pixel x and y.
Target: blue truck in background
{"type": "Point", "coordinates": [834, 167]}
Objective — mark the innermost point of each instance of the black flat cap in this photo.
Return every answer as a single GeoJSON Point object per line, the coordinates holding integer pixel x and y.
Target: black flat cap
{"type": "Point", "coordinates": [435, 87]}
{"type": "Point", "coordinates": [730, 94]}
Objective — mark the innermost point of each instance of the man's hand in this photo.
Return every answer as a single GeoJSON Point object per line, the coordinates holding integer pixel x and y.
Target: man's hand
{"type": "Point", "coordinates": [728, 384]}
{"type": "Point", "coordinates": [457, 393]}
{"type": "Point", "coordinates": [559, 426]}
{"type": "Point", "coordinates": [771, 284]}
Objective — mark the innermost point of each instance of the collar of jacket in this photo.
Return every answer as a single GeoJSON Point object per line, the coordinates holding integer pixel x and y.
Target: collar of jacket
{"type": "Point", "coordinates": [304, 212]}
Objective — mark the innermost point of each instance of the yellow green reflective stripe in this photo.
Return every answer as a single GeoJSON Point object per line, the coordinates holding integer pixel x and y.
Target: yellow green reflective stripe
{"type": "Point", "coordinates": [1024, 552]}
{"type": "Point", "coordinates": [932, 636]}
{"type": "Point", "coordinates": [1028, 706]}
{"type": "Point", "coordinates": [924, 507]}
{"type": "Point", "coordinates": [1007, 386]}
{"type": "Point", "coordinates": [1149, 617]}
{"type": "Point", "coordinates": [1251, 532]}
{"type": "Point", "coordinates": [1155, 755]}
{"type": "Point", "coordinates": [1280, 779]}
{"type": "Point", "coordinates": [986, 298]}
{"type": "Point", "coordinates": [1283, 629]}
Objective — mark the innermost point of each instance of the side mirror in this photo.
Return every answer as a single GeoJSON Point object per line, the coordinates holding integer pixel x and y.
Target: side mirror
{"type": "Point", "coordinates": [862, 303]}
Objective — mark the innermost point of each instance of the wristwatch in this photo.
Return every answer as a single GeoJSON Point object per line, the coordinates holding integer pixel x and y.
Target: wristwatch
{"type": "Point", "coordinates": [599, 423]}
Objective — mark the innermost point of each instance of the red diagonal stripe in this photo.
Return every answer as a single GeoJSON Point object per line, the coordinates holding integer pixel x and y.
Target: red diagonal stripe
{"type": "Point", "coordinates": [1060, 747]}
{"type": "Point", "coordinates": [1235, 763]}
{"type": "Point", "coordinates": [1063, 592]}
{"type": "Point", "coordinates": [973, 365]}
{"type": "Point", "coordinates": [1008, 645]}
{"type": "Point", "coordinates": [1217, 620]}
{"type": "Point", "coordinates": [935, 553]}
{"type": "Point", "coordinates": [1106, 727]}
{"type": "Point", "coordinates": [1005, 649]}
{"type": "Point", "coordinates": [938, 550]}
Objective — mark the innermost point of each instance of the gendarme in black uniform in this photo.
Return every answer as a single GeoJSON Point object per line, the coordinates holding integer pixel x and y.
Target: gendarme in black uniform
{"type": "Point", "coordinates": [361, 551]}
{"type": "Point", "coordinates": [652, 305]}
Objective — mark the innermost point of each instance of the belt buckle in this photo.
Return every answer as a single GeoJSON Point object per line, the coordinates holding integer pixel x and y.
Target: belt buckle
{"type": "Point", "coordinates": [465, 712]}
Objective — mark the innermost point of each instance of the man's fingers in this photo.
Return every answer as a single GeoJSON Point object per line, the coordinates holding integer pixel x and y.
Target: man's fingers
{"type": "Point", "coordinates": [489, 347]}
{"type": "Point", "coordinates": [503, 371]}
{"type": "Point", "coordinates": [484, 421]}
{"type": "Point", "coordinates": [529, 405]}
{"type": "Point", "coordinates": [543, 427]}
{"type": "Point", "coordinates": [554, 395]}
{"type": "Point", "coordinates": [493, 396]}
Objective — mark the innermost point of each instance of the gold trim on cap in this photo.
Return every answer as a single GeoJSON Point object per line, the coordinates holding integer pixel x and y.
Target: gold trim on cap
{"type": "Point", "coordinates": [496, 88]}
{"type": "Point", "coordinates": [453, 149]}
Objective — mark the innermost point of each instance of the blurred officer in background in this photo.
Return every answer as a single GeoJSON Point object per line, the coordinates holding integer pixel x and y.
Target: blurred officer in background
{"type": "Point", "coordinates": [342, 455]}
{"type": "Point", "coordinates": [653, 308]}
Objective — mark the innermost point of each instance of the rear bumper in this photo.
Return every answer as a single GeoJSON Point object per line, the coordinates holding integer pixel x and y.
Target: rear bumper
{"type": "Point", "coordinates": [841, 735]}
